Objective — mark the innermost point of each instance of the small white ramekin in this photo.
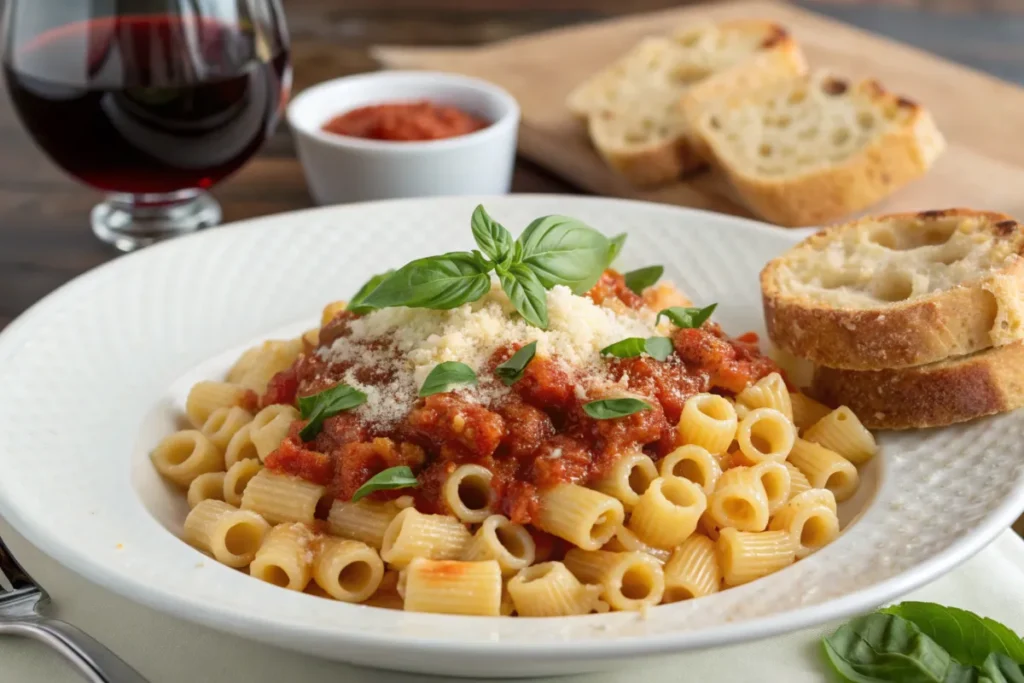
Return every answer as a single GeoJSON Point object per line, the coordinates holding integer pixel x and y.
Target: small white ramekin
{"type": "Point", "coordinates": [339, 168]}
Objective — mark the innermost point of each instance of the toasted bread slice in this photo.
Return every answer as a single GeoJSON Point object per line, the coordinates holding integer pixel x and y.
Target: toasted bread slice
{"type": "Point", "coordinates": [950, 391]}
{"type": "Point", "coordinates": [633, 108]}
{"type": "Point", "coordinates": [899, 290]}
{"type": "Point", "coordinates": [816, 149]}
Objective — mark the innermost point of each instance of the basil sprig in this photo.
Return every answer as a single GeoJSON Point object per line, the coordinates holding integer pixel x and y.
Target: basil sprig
{"type": "Point", "coordinates": [615, 245]}
{"type": "Point", "coordinates": [640, 279]}
{"type": "Point", "coordinates": [920, 641]}
{"type": "Point", "coordinates": [400, 477]}
{"type": "Point", "coordinates": [611, 408]}
{"type": "Point", "coordinates": [553, 250]}
{"type": "Point", "coordinates": [686, 317]}
{"type": "Point", "coordinates": [511, 371]}
{"type": "Point", "coordinates": [658, 348]}
{"type": "Point", "coordinates": [327, 403]}
{"type": "Point", "coordinates": [446, 376]}
{"type": "Point", "coordinates": [437, 282]}
{"type": "Point", "coordinates": [356, 305]}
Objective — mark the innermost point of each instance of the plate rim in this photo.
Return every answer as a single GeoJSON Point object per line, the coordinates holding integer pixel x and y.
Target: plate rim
{"type": "Point", "coordinates": [195, 611]}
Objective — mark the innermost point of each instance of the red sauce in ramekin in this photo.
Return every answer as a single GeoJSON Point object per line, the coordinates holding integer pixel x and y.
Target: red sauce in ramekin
{"type": "Point", "coordinates": [405, 122]}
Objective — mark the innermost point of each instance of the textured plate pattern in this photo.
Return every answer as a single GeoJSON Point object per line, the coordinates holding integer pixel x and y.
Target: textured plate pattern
{"type": "Point", "coordinates": [84, 368]}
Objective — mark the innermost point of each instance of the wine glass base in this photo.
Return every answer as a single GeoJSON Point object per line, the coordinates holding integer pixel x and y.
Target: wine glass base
{"type": "Point", "coordinates": [127, 224]}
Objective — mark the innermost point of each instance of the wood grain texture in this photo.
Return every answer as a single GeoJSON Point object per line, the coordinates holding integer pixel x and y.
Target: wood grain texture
{"type": "Point", "coordinates": [979, 169]}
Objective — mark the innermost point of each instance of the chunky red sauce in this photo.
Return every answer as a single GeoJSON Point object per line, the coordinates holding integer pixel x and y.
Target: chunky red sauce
{"type": "Point", "coordinates": [405, 122]}
{"type": "Point", "coordinates": [533, 438]}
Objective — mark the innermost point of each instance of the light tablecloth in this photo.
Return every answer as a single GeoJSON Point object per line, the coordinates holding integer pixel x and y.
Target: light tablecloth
{"type": "Point", "coordinates": [168, 650]}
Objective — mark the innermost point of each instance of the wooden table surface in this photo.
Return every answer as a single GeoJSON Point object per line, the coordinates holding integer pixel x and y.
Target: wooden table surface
{"type": "Point", "coordinates": [45, 239]}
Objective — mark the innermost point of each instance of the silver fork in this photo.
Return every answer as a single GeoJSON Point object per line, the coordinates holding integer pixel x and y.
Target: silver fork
{"type": "Point", "coordinates": [22, 612]}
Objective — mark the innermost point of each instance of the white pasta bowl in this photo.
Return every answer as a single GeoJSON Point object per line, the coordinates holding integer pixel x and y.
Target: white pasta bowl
{"type": "Point", "coordinates": [97, 373]}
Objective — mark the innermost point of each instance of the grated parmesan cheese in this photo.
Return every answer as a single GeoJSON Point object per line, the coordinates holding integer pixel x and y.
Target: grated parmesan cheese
{"type": "Point", "coordinates": [410, 342]}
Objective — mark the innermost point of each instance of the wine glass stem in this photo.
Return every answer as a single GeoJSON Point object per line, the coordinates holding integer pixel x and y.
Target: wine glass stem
{"type": "Point", "coordinates": [132, 221]}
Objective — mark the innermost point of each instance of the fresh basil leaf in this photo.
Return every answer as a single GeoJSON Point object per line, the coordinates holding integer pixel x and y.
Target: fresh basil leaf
{"type": "Point", "coordinates": [400, 477]}
{"type": "Point", "coordinates": [998, 668]}
{"type": "Point", "coordinates": [445, 376]}
{"type": "Point", "coordinates": [659, 348]}
{"type": "Point", "coordinates": [490, 235]}
{"type": "Point", "coordinates": [642, 278]}
{"type": "Point", "coordinates": [327, 403]}
{"type": "Point", "coordinates": [356, 305]}
{"type": "Point", "coordinates": [627, 348]}
{"type": "Point", "coordinates": [967, 637]}
{"type": "Point", "coordinates": [885, 647]}
{"type": "Point", "coordinates": [511, 371]}
{"type": "Point", "coordinates": [686, 317]}
{"type": "Point", "coordinates": [564, 251]}
{"type": "Point", "coordinates": [615, 245]}
{"type": "Point", "coordinates": [611, 408]}
{"type": "Point", "coordinates": [526, 293]}
{"type": "Point", "coordinates": [437, 282]}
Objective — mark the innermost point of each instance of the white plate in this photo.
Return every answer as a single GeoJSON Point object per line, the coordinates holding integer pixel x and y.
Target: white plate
{"type": "Point", "coordinates": [93, 376]}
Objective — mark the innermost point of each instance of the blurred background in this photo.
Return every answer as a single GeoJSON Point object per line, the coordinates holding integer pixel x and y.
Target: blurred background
{"type": "Point", "coordinates": [44, 236]}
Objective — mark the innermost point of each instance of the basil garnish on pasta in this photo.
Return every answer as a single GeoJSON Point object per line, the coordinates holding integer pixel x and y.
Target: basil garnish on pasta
{"type": "Point", "coordinates": [356, 304]}
{"type": "Point", "coordinates": [446, 376]}
{"type": "Point", "coordinates": [511, 371]}
{"type": "Point", "coordinates": [686, 317]}
{"type": "Point", "coordinates": [400, 477]}
{"type": "Point", "coordinates": [611, 408]}
{"type": "Point", "coordinates": [658, 348]}
{"type": "Point", "coordinates": [615, 245]}
{"type": "Point", "coordinates": [640, 279]}
{"type": "Point", "coordinates": [553, 250]}
{"type": "Point", "coordinates": [327, 403]}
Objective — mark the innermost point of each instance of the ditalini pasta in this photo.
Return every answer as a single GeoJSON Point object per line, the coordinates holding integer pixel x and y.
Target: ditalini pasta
{"type": "Point", "coordinates": [842, 432]}
{"type": "Point", "coordinates": [349, 571]}
{"type": "Point", "coordinates": [231, 535]}
{"type": "Point", "coordinates": [708, 421]}
{"type": "Point", "coordinates": [825, 469]}
{"type": "Point", "coordinates": [628, 478]}
{"type": "Point", "coordinates": [453, 587]}
{"type": "Point", "coordinates": [768, 392]}
{"type": "Point", "coordinates": [549, 589]}
{"type": "Point", "coordinates": [462, 460]}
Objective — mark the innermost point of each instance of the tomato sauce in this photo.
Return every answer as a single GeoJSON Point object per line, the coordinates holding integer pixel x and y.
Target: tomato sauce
{"type": "Point", "coordinates": [532, 438]}
{"type": "Point", "coordinates": [405, 122]}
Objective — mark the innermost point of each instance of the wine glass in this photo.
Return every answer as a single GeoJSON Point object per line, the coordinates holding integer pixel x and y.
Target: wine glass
{"type": "Point", "coordinates": [151, 101]}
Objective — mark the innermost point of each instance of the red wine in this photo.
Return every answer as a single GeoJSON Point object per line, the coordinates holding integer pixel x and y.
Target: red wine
{"type": "Point", "coordinates": [147, 103]}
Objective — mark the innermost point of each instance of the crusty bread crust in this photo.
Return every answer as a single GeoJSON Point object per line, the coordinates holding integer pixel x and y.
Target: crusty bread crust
{"type": "Point", "coordinates": [827, 193]}
{"type": "Point", "coordinates": [988, 311]}
{"type": "Point", "coordinates": [935, 395]}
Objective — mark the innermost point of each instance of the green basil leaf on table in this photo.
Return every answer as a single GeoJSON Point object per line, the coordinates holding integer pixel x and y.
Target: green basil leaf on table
{"type": "Point", "coordinates": [327, 403]}
{"type": "Point", "coordinates": [640, 279]}
{"type": "Point", "coordinates": [884, 647]}
{"type": "Point", "coordinates": [437, 282]}
{"type": "Point", "coordinates": [998, 668]}
{"type": "Point", "coordinates": [686, 317]}
{"type": "Point", "coordinates": [615, 245]}
{"type": "Point", "coordinates": [491, 236]}
{"type": "Point", "coordinates": [611, 408]}
{"type": "Point", "coordinates": [446, 376]}
{"type": "Point", "coordinates": [658, 348]}
{"type": "Point", "coordinates": [526, 293]}
{"type": "Point", "coordinates": [967, 637]}
{"type": "Point", "coordinates": [400, 477]}
{"type": "Point", "coordinates": [511, 371]}
{"type": "Point", "coordinates": [356, 304]}
{"type": "Point", "coordinates": [564, 251]}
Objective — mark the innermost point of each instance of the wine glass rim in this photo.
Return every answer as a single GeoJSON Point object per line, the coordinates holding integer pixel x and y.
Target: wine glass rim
{"type": "Point", "coordinates": [494, 95]}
